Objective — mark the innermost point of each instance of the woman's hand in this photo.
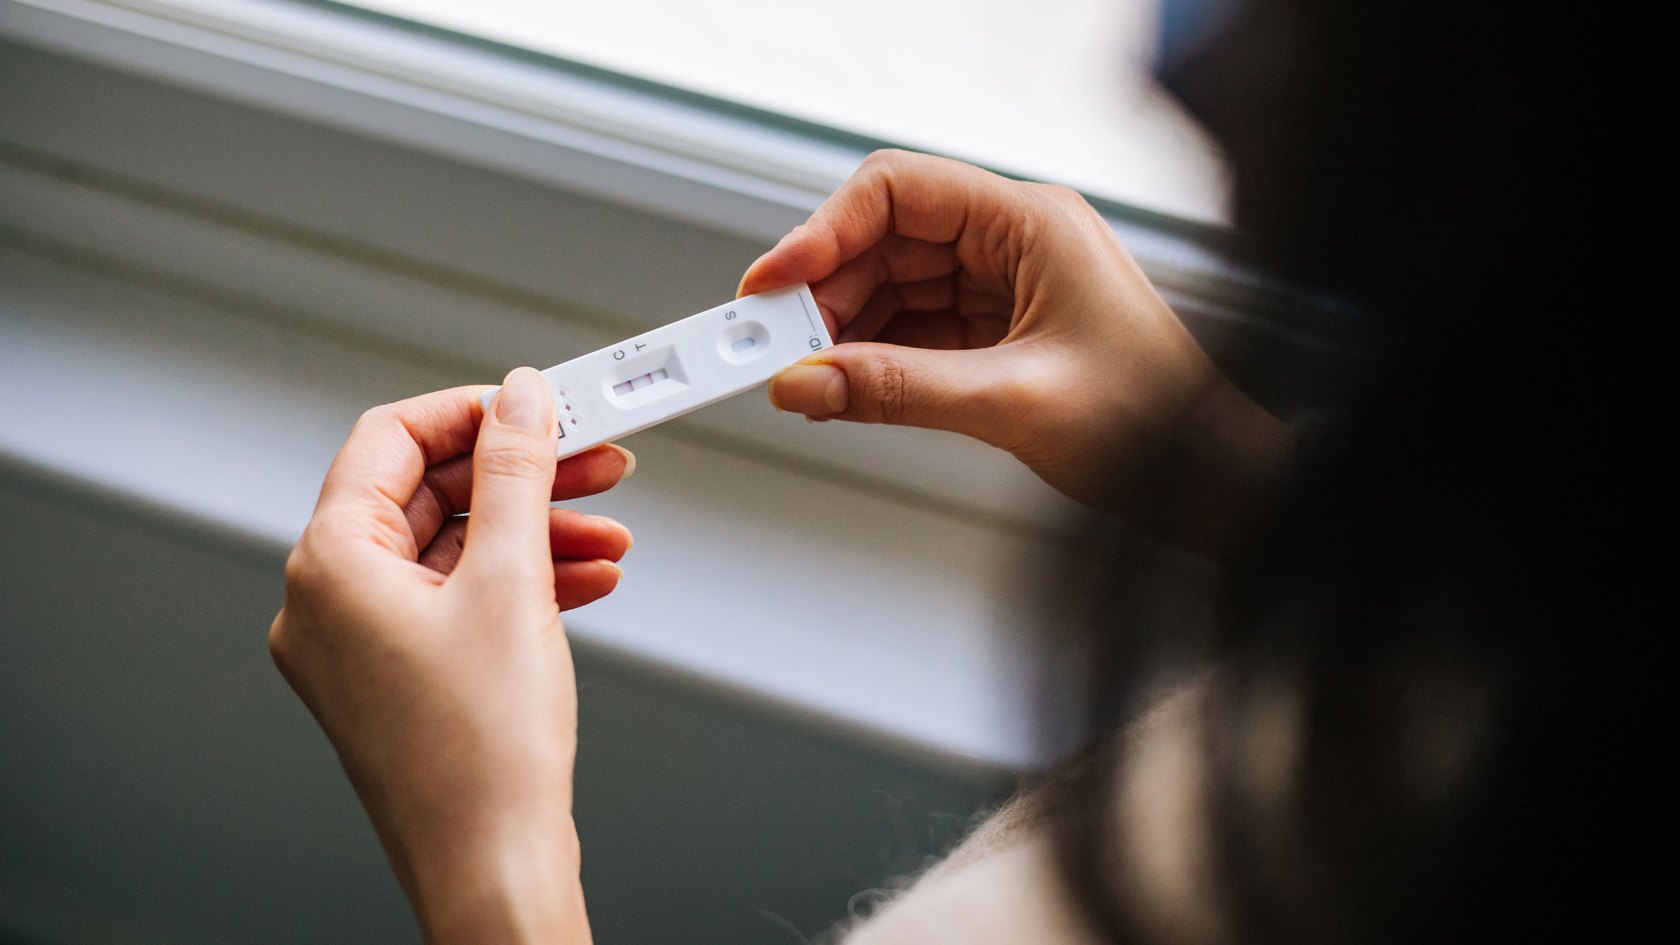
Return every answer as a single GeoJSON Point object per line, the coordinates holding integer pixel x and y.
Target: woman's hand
{"type": "Point", "coordinates": [1009, 312]}
{"type": "Point", "coordinates": [431, 651]}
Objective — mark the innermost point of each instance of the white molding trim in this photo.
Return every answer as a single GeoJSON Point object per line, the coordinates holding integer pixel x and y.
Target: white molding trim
{"type": "Point", "coordinates": [457, 100]}
{"type": "Point", "coordinates": [721, 171]}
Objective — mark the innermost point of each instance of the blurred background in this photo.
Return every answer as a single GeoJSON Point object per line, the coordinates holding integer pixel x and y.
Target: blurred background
{"type": "Point", "coordinates": [229, 226]}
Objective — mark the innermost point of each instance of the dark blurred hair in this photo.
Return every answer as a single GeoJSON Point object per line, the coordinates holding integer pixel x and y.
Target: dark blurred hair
{"type": "Point", "coordinates": [1433, 590]}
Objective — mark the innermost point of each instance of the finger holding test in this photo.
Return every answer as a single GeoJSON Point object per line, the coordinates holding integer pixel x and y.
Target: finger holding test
{"type": "Point", "coordinates": [513, 475]}
{"type": "Point", "coordinates": [380, 467]}
{"type": "Point", "coordinates": [896, 259]}
{"type": "Point", "coordinates": [446, 489]}
{"type": "Point", "coordinates": [924, 198]}
{"type": "Point", "coordinates": [572, 536]}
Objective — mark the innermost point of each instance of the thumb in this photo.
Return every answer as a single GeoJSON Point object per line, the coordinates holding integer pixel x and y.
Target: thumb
{"type": "Point", "coordinates": [513, 476]}
{"type": "Point", "coordinates": [868, 382]}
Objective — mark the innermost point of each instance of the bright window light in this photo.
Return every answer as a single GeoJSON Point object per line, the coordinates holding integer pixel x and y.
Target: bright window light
{"type": "Point", "coordinates": [1057, 90]}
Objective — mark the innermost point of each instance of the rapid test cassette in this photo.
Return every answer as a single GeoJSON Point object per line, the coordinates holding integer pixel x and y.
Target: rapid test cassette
{"type": "Point", "coordinates": [683, 366]}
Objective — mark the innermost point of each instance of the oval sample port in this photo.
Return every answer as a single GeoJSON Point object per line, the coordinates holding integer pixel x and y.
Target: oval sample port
{"type": "Point", "coordinates": [743, 342]}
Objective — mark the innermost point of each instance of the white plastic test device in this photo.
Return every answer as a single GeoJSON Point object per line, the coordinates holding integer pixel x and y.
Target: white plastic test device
{"type": "Point", "coordinates": [683, 366]}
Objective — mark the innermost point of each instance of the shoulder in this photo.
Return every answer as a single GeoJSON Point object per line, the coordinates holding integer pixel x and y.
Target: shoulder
{"type": "Point", "coordinates": [1009, 893]}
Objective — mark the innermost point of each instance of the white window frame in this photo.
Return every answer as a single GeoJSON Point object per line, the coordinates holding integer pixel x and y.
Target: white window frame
{"type": "Point", "coordinates": [523, 115]}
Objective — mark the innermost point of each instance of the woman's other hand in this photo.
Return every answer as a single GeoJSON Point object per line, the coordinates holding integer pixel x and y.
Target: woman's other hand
{"type": "Point", "coordinates": [430, 649]}
{"type": "Point", "coordinates": [1008, 311]}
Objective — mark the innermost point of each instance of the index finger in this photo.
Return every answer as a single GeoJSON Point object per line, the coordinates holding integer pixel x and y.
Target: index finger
{"type": "Point", "coordinates": [382, 461]}
{"type": "Point", "coordinates": [932, 199]}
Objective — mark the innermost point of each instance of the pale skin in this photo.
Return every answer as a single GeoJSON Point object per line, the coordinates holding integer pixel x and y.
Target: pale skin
{"type": "Point", "coordinates": [431, 648]}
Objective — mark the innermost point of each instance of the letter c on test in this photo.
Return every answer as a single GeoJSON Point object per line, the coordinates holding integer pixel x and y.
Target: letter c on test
{"type": "Point", "coordinates": [618, 355]}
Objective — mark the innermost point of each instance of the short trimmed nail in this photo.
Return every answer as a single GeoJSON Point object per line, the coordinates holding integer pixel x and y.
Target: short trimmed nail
{"type": "Point", "coordinates": [629, 462]}
{"type": "Point", "coordinates": [611, 564]}
{"type": "Point", "coordinates": [812, 389]}
{"type": "Point", "coordinates": [786, 238]}
{"type": "Point", "coordinates": [524, 401]}
{"type": "Point", "coordinates": [743, 283]}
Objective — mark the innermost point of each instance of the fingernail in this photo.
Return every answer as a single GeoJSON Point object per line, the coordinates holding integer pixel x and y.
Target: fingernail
{"type": "Point", "coordinates": [610, 564]}
{"type": "Point", "coordinates": [740, 287]}
{"type": "Point", "coordinates": [787, 238]}
{"type": "Point", "coordinates": [629, 462]}
{"type": "Point", "coordinates": [524, 401]}
{"type": "Point", "coordinates": [811, 389]}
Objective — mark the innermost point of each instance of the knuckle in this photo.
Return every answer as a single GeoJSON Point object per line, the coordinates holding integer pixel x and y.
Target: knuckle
{"type": "Point", "coordinates": [888, 386]}
{"type": "Point", "coordinates": [312, 568]}
{"type": "Point", "coordinates": [902, 163]}
{"type": "Point", "coordinates": [302, 571]}
{"type": "Point", "coordinates": [1063, 214]}
{"type": "Point", "coordinates": [896, 164]}
{"type": "Point", "coordinates": [1065, 199]}
{"type": "Point", "coordinates": [512, 459]}
{"type": "Point", "coordinates": [883, 158]}
{"type": "Point", "coordinates": [280, 643]}
{"type": "Point", "coordinates": [375, 416]}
